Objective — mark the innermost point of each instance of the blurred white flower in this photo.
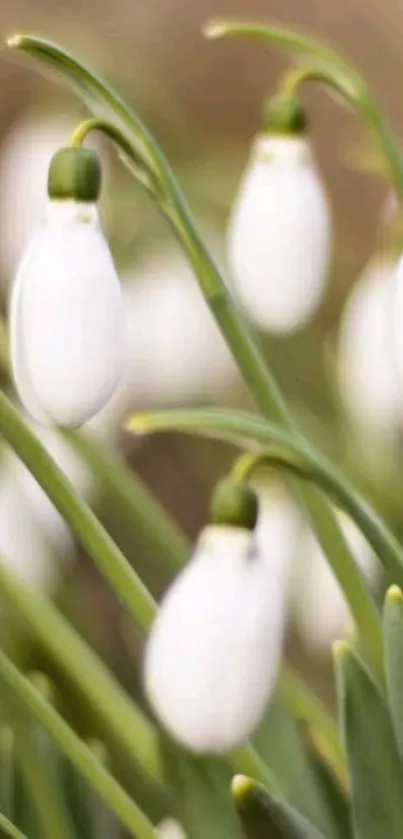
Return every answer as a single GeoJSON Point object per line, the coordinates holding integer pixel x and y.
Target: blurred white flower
{"type": "Point", "coordinates": [321, 613]}
{"type": "Point", "coordinates": [279, 237]}
{"type": "Point", "coordinates": [34, 538]}
{"type": "Point", "coordinates": [170, 829]}
{"type": "Point", "coordinates": [175, 352]}
{"type": "Point", "coordinates": [367, 366]}
{"type": "Point", "coordinates": [212, 655]}
{"type": "Point", "coordinates": [67, 320]}
{"type": "Point", "coordinates": [24, 161]}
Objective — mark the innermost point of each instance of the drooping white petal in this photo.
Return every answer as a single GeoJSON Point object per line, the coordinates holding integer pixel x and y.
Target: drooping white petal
{"type": "Point", "coordinates": [367, 369]}
{"type": "Point", "coordinates": [279, 237]}
{"type": "Point", "coordinates": [212, 655]}
{"type": "Point", "coordinates": [67, 319]}
{"type": "Point", "coordinates": [321, 613]}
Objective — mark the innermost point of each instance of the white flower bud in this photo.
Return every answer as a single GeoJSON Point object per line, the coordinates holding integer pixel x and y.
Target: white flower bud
{"type": "Point", "coordinates": [367, 369]}
{"type": "Point", "coordinates": [212, 656]}
{"type": "Point", "coordinates": [67, 319]}
{"type": "Point", "coordinates": [280, 234]}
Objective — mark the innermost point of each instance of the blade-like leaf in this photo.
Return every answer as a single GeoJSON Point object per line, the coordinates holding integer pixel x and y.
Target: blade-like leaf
{"type": "Point", "coordinates": [200, 793]}
{"type": "Point", "coordinates": [376, 771]}
{"type": "Point", "coordinates": [282, 746]}
{"type": "Point", "coordinates": [265, 817]}
{"type": "Point", "coordinates": [330, 788]}
{"type": "Point", "coordinates": [393, 641]}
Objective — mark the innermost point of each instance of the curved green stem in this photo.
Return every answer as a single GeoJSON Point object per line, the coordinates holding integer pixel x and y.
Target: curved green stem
{"type": "Point", "coordinates": [296, 76]}
{"type": "Point", "coordinates": [84, 524]}
{"type": "Point", "coordinates": [279, 449]}
{"type": "Point", "coordinates": [25, 695]}
{"type": "Point", "coordinates": [330, 68]}
{"type": "Point", "coordinates": [142, 169]}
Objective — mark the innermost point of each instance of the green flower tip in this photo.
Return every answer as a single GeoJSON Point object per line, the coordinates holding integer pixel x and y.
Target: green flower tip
{"type": "Point", "coordinates": [234, 504]}
{"type": "Point", "coordinates": [394, 596]}
{"type": "Point", "coordinates": [285, 116]}
{"type": "Point", "coordinates": [75, 175]}
{"type": "Point", "coordinates": [241, 786]}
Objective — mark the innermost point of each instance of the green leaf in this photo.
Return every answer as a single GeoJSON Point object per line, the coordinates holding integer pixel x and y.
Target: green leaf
{"type": "Point", "coordinates": [200, 793]}
{"type": "Point", "coordinates": [281, 745]}
{"type": "Point", "coordinates": [376, 772]}
{"type": "Point", "coordinates": [9, 829]}
{"type": "Point", "coordinates": [393, 651]}
{"type": "Point", "coordinates": [264, 816]}
{"type": "Point", "coordinates": [330, 788]}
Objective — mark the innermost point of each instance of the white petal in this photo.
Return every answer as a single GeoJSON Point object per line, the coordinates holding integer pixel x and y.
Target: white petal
{"type": "Point", "coordinates": [322, 615]}
{"type": "Point", "coordinates": [213, 653]}
{"type": "Point", "coordinates": [67, 319]}
{"type": "Point", "coordinates": [279, 235]}
{"type": "Point", "coordinates": [368, 377]}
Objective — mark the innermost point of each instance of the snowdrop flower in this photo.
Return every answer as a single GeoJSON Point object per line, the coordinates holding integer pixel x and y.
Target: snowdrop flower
{"type": "Point", "coordinates": [367, 368]}
{"type": "Point", "coordinates": [278, 530]}
{"type": "Point", "coordinates": [279, 237]}
{"type": "Point", "coordinates": [212, 656]}
{"type": "Point", "coordinates": [321, 613]}
{"type": "Point", "coordinates": [67, 316]}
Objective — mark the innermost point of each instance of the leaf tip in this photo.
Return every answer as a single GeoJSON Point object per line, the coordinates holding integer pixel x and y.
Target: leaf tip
{"type": "Point", "coordinates": [341, 650]}
{"type": "Point", "coordinates": [214, 29]}
{"type": "Point", "coordinates": [241, 785]}
{"type": "Point", "coordinates": [394, 595]}
{"type": "Point", "coordinates": [136, 423]}
{"type": "Point", "coordinates": [14, 41]}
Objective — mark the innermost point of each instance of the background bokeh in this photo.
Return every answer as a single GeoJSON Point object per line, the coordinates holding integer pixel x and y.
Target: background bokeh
{"type": "Point", "coordinates": [202, 101]}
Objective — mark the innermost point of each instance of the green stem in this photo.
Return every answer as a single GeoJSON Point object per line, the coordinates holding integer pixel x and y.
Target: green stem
{"type": "Point", "coordinates": [303, 705]}
{"type": "Point", "coordinates": [76, 751]}
{"type": "Point", "coordinates": [128, 725]}
{"type": "Point", "coordinates": [38, 784]}
{"type": "Point", "coordinates": [142, 169]}
{"type": "Point", "coordinates": [10, 829]}
{"type": "Point", "coordinates": [132, 495]}
{"type": "Point", "coordinates": [84, 524]}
